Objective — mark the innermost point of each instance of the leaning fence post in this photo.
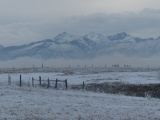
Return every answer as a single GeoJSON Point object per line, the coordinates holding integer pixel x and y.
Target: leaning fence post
{"type": "Point", "coordinates": [20, 81]}
{"type": "Point", "coordinates": [83, 85]}
{"type": "Point", "coordinates": [40, 80]}
{"type": "Point", "coordinates": [66, 83]}
{"type": "Point", "coordinates": [32, 81]}
{"type": "Point", "coordinates": [48, 83]}
{"type": "Point", "coordinates": [56, 83]}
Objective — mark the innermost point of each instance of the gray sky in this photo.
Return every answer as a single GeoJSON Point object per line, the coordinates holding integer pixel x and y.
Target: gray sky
{"type": "Point", "coordinates": [24, 21]}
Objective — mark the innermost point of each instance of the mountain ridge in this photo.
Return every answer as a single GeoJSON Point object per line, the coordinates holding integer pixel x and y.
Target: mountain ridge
{"type": "Point", "coordinates": [69, 46]}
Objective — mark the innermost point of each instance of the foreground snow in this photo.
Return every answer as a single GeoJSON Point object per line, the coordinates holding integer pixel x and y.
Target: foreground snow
{"type": "Point", "coordinates": [48, 104]}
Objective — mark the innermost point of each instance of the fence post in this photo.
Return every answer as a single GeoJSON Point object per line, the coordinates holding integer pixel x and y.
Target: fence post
{"type": "Point", "coordinates": [29, 82]}
{"type": "Point", "coordinates": [32, 81]}
{"type": "Point", "coordinates": [48, 83]}
{"type": "Point", "coordinates": [40, 80]}
{"type": "Point", "coordinates": [9, 80]}
{"type": "Point", "coordinates": [83, 85]}
{"type": "Point", "coordinates": [20, 81]}
{"type": "Point", "coordinates": [56, 83]}
{"type": "Point", "coordinates": [66, 83]}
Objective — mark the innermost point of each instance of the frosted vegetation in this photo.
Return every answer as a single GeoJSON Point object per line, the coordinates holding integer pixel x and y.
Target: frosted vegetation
{"type": "Point", "coordinates": [92, 102]}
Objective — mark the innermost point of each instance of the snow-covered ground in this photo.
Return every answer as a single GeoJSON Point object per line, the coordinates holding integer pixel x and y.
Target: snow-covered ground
{"type": "Point", "coordinates": [36, 103]}
{"type": "Point", "coordinates": [47, 104]}
{"type": "Point", "coordinates": [151, 77]}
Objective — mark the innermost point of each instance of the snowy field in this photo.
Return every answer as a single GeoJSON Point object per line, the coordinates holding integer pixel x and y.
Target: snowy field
{"type": "Point", "coordinates": [140, 77]}
{"type": "Point", "coordinates": [88, 75]}
{"type": "Point", "coordinates": [47, 104]}
{"type": "Point", "coordinates": [36, 103]}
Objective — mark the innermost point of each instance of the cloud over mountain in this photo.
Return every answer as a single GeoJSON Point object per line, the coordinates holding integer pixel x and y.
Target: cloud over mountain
{"type": "Point", "coordinates": [22, 31]}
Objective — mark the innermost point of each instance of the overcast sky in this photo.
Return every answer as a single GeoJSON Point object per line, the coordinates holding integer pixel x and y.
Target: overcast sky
{"type": "Point", "coordinates": [24, 21]}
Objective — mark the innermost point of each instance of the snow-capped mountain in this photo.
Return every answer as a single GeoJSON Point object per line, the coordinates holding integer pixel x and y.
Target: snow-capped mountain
{"type": "Point", "coordinates": [65, 38]}
{"type": "Point", "coordinates": [70, 46]}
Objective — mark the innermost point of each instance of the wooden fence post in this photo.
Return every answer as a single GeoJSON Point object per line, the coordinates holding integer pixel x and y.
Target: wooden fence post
{"type": "Point", "coordinates": [66, 83]}
{"type": "Point", "coordinates": [83, 85]}
{"type": "Point", "coordinates": [20, 81]}
{"type": "Point", "coordinates": [32, 81]}
{"type": "Point", "coordinates": [40, 80]}
{"type": "Point", "coordinates": [29, 82]}
{"type": "Point", "coordinates": [56, 83]}
{"type": "Point", "coordinates": [48, 83]}
{"type": "Point", "coordinates": [9, 80]}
